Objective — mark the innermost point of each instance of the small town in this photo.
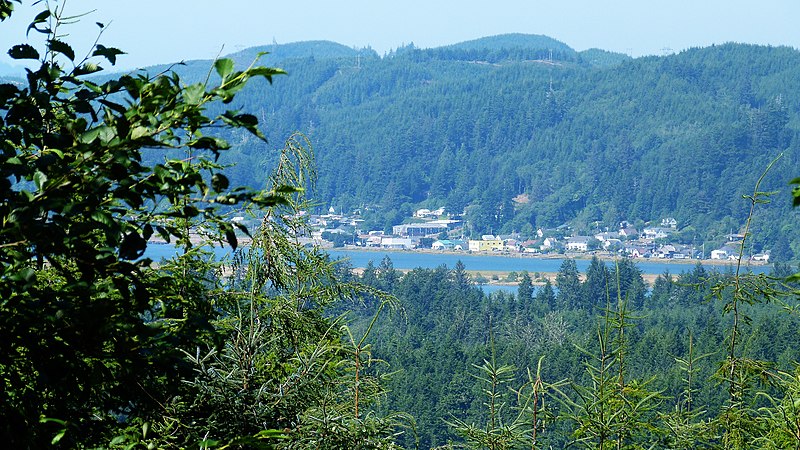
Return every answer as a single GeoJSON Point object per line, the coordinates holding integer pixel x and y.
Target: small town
{"type": "Point", "coordinates": [434, 230]}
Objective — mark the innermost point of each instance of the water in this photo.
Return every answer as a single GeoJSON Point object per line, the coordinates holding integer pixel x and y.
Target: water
{"type": "Point", "coordinates": [510, 263]}
{"type": "Point", "coordinates": [406, 260]}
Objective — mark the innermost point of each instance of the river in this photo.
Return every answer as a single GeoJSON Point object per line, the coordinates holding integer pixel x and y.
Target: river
{"type": "Point", "coordinates": [511, 263]}
{"type": "Point", "coordinates": [406, 260]}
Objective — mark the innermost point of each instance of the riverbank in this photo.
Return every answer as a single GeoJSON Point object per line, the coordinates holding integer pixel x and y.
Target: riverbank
{"type": "Point", "coordinates": [604, 256]}
{"type": "Point", "coordinates": [495, 267]}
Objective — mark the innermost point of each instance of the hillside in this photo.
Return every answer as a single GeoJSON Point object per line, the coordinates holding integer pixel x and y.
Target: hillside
{"type": "Point", "coordinates": [587, 138]}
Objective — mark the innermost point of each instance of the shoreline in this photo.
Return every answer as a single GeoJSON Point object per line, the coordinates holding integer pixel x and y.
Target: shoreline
{"type": "Point", "coordinates": [578, 256]}
{"type": "Point", "coordinates": [502, 275]}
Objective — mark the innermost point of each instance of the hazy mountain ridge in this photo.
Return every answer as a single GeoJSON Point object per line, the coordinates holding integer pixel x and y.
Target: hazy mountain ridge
{"type": "Point", "coordinates": [587, 137]}
{"type": "Point", "coordinates": [619, 141]}
{"type": "Point", "coordinates": [511, 40]}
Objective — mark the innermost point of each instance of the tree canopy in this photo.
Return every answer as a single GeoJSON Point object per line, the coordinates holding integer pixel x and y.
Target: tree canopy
{"type": "Point", "coordinates": [101, 346]}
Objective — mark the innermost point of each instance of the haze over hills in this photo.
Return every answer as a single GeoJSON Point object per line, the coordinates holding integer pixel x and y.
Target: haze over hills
{"type": "Point", "coordinates": [535, 135]}
{"type": "Point", "coordinates": [520, 132]}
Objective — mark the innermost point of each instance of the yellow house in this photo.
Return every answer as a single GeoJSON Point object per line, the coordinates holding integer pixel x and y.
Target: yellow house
{"type": "Point", "coordinates": [486, 245]}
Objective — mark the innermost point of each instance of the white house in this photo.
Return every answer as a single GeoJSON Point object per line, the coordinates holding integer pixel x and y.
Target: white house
{"type": "Point", "coordinates": [655, 233]}
{"type": "Point", "coordinates": [549, 243]}
{"type": "Point", "coordinates": [725, 252]}
{"type": "Point", "coordinates": [447, 244]}
{"type": "Point", "coordinates": [397, 243]}
{"type": "Point", "coordinates": [577, 243]}
{"type": "Point", "coordinates": [669, 222]}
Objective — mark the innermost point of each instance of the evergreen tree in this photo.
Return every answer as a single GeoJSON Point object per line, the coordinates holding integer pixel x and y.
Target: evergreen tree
{"type": "Point", "coordinates": [546, 296]}
{"type": "Point", "coordinates": [569, 285]}
{"type": "Point", "coordinates": [462, 278]}
{"type": "Point", "coordinates": [596, 288]}
{"type": "Point", "coordinates": [525, 289]}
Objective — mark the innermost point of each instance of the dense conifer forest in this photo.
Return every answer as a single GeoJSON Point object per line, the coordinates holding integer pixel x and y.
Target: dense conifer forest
{"type": "Point", "coordinates": [669, 342]}
{"type": "Point", "coordinates": [520, 132]}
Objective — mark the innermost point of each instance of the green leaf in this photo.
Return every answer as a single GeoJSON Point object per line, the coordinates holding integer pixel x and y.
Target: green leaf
{"type": "Point", "coordinates": [132, 246]}
{"type": "Point", "coordinates": [230, 236]}
{"type": "Point", "coordinates": [224, 67]}
{"type": "Point", "coordinates": [102, 217]}
{"type": "Point", "coordinates": [147, 231]}
{"type": "Point", "coordinates": [287, 189]}
{"type": "Point", "coordinates": [60, 47]}
{"type": "Point", "coordinates": [139, 131]}
{"type": "Point", "coordinates": [39, 179]}
{"type": "Point", "coordinates": [266, 72]}
{"type": "Point", "coordinates": [164, 233]}
{"type": "Point", "coordinates": [114, 106]}
{"type": "Point", "coordinates": [219, 182]}
{"type": "Point", "coordinates": [26, 275]}
{"type": "Point", "coordinates": [246, 121]}
{"type": "Point", "coordinates": [194, 94]}
{"type": "Point", "coordinates": [57, 438]}
{"type": "Point", "coordinates": [209, 143]}
{"type": "Point", "coordinates": [104, 132]}
{"type": "Point", "coordinates": [109, 53]}
{"type": "Point", "coordinates": [23, 51]}
{"type": "Point", "coordinates": [86, 69]}
{"type": "Point", "coordinates": [6, 8]}
{"type": "Point", "coordinates": [40, 18]}
{"type": "Point", "coordinates": [7, 91]}
{"type": "Point", "coordinates": [190, 211]}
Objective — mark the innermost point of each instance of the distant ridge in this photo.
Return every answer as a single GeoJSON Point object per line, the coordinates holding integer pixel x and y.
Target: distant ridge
{"type": "Point", "coordinates": [602, 58]}
{"type": "Point", "coordinates": [276, 55]}
{"type": "Point", "coordinates": [304, 49]}
{"type": "Point", "coordinates": [513, 40]}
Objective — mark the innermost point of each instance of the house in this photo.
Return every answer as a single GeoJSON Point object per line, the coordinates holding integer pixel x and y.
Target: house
{"type": "Point", "coordinates": [578, 243]}
{"type": "Point", "coordinates": [487, 243]}
{"type": "Point", "coordinates": [638, 252]}
{"type": "Point", "coordinates": [606, 235]}
{"type": "Point", "coordinates": [656, 233]}
{"type": "Point", "coordinates": [397, 243]}
{"type": "Point", "coordinates": [448, 244]}
{"type": "Point", "coordinates": [761, 257]}
{"type": "Point", "coordinates": [529, 244]}
{"type": "Point", "coordinates": [424, 212]}
{"type": "Point", "coordinates": [444, 244]}
{"type": "Point", "coordinates": [726, 252]}
{"type": "Point", "coordinates": [419, 229]}
{"type": "Point", "coordinates": [548, 243]}
{"type": "Point", "coordinates": [666, 252]}
{"type": "Point", "coordinates": [511, 245]}
{"type": "Point", "coordinates": [372, 240]}
{"type": "Point", "coordinates": [669, 222]}
{"type": "Point", "coordinates": [427, 213]}
{"type": "Point", "coordinates": [460, 245]}
{"type": "Point", "coordinates": [628, 232]}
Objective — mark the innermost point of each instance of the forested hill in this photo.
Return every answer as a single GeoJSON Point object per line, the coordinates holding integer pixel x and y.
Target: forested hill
{"type": "Point", "coordinates": [524, 132]}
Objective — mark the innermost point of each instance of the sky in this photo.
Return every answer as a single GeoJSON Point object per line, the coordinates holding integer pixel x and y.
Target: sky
{"type": "Point", "coordinates": [163, 31]}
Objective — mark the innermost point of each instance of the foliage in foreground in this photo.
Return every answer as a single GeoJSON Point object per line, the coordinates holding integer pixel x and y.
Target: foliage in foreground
{"type": "Point", "coordinates": [99, 346]}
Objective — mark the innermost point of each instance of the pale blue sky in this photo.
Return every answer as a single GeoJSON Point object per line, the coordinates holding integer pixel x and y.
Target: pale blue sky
{"type": "Point", "coordinates": [171, 30]}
